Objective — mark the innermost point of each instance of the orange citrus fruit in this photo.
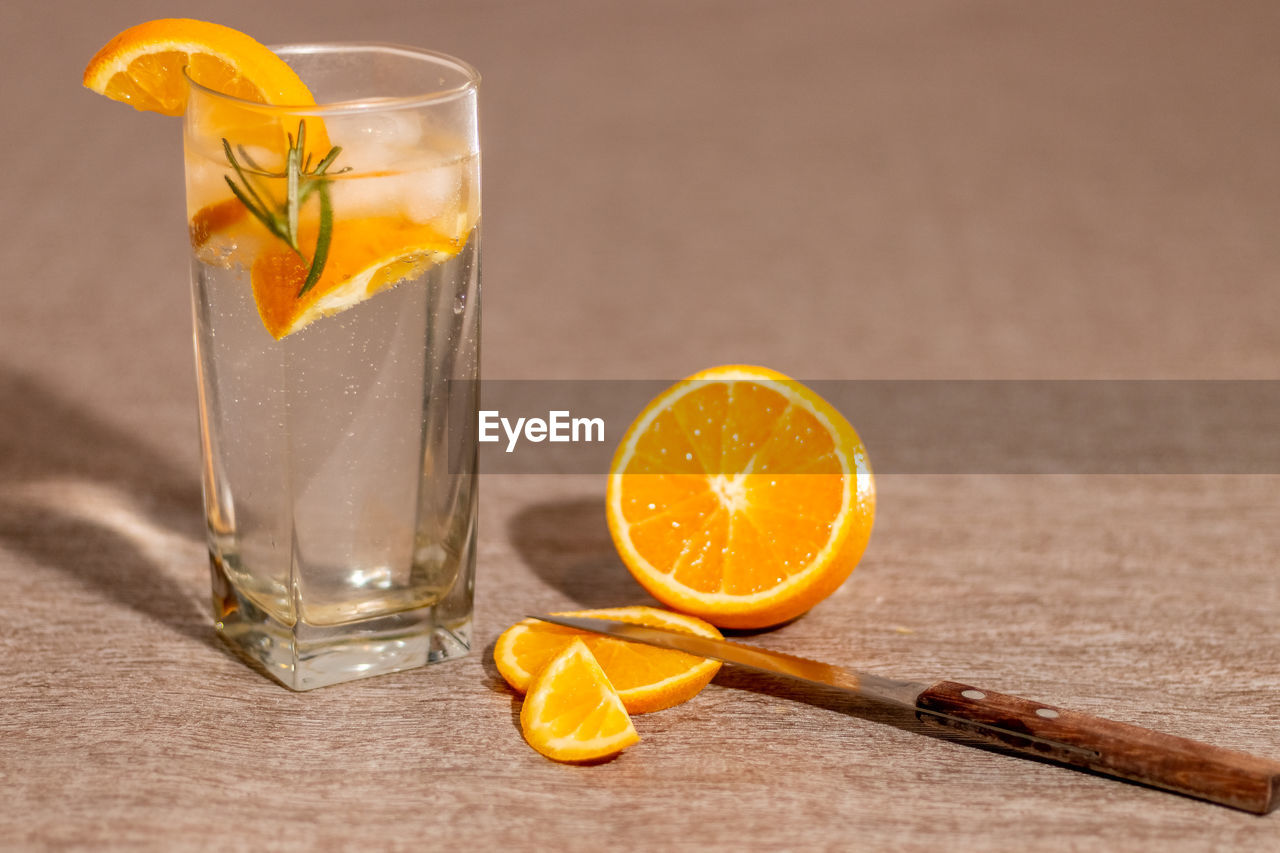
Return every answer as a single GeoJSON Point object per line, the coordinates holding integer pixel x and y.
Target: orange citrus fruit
{"type": "Point", "coordinates": [142, 67]}
{"type": "Point", "coordinates": [740, 496]}
{"type": "Point", "coordinates": [646, 678]}
{"type": "Point", "coordinates": [366, 255]}
{"type": "Point", "coordinates": [572, 712]}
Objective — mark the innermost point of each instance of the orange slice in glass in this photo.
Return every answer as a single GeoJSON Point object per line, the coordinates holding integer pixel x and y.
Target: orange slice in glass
{"type": "Point", "coordinates": [366, 255]}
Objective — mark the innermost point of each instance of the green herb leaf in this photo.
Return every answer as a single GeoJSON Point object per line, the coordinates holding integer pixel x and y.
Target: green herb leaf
{"type": "Point", "coordinates": [301, 182]}
{"type": "Point", "coordinates": [249, 196]}
{"type": "Point", "coordinates": [293, 166]}
{"type": "Point", "coordinates": [323, 237]}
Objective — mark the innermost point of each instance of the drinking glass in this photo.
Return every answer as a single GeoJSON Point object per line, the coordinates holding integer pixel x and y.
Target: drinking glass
{"type": "Point", "coordinates": [336, 295]}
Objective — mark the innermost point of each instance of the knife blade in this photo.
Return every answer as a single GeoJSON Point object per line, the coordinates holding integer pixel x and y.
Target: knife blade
{"type": "Point", "coordinates": [1070, 738]}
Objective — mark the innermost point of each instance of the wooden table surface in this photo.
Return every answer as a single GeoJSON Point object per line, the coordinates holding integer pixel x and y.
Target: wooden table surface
{"type": "Point", "coordinates": [952, 189]}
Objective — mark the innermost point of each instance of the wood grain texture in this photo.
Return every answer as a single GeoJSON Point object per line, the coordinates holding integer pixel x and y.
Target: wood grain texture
{"type": "Point", "coordinates": [959, 188]}
{"type": "Point", "coordinates": [1200, 770]}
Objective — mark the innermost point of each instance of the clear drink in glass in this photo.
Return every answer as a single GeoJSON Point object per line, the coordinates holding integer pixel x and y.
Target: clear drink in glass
{"type": "Point", "coordinates": [338, 408]}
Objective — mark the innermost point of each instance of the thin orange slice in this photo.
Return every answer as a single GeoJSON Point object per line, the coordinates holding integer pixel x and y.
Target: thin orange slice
{"type": "Point", "coordinates": [142, 67]}
{"type": "Point", "coordinates": [572, 712]}
{"type": "Point", "coordinates": [740, 496]}
{"type": "Point", "coordinates": [646, 678]}
{"type": "Point", "coordinates": [366, 255]}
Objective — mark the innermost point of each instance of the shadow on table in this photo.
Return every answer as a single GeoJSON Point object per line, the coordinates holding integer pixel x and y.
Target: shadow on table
{"type": "Point", "coordinates": [497, 684]}
{"type": "Point", "coordinates": [567, 543]}
{"type": "Point", "coordinates": [875, 712]}
{"type": "Point", "coordinates": [46, 440]}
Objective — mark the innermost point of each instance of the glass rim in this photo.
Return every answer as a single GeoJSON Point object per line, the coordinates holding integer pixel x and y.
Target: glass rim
{"type": "Point", "coordinates": [439, 96]}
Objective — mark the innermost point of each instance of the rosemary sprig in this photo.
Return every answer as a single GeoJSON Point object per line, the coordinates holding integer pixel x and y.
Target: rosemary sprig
{"type": "Point", "coordinates": [301, 182]}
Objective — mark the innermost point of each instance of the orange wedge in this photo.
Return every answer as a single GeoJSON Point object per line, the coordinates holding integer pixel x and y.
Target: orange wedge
{"type": "Point", "coordinates": [367, 255]}
{"type": "Point", "coordinates": [646, 678]}
{"type": "Point", "coordinates": [740, 496]}
{"type": "Point", "coordinates": [572, 712]}
{"type": "Point", "coordinates": [142, 67]}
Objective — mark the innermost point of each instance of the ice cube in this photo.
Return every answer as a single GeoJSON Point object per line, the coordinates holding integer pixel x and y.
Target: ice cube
{"type": "Point", "coordinates": [205, 184]}
{"type": "Point", "coordinates": [374, 141]}
{"type": "Point", "coordinates": [429, 192]}
{"type": "Point", "coordinates": [422, 194]}
{"type": "Point", "coordinates": [380, 195]}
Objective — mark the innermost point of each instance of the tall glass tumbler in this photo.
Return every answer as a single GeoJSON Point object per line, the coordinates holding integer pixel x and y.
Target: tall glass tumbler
{"type": "Point", "coordinates": [336, 293]}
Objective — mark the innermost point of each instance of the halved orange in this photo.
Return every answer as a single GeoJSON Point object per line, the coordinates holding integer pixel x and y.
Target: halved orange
{"type": "Point", "coordinates": [740, 496]}
{"type": "Point", "coordinates": [646, 678]}
{"type": "Point", "coordinates": [142, 67]}
{"type": "Point", "coordinates": [572, 712]}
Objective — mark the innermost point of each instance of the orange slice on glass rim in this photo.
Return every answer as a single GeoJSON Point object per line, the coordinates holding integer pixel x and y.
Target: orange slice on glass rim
{"type": "Point", "coordinates": [142, 67]}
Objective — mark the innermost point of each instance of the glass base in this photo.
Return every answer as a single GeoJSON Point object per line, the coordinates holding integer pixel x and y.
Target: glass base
{"type": "Point", "coordinates": [303, 656]}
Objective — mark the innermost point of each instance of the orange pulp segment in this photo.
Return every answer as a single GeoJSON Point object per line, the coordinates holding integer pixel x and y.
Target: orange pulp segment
{"type": "Point", "coordinates": [572, 712]}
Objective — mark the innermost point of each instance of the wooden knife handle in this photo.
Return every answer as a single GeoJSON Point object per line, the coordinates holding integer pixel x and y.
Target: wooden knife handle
{"type": "Point", "coordinates": [1129, 752]}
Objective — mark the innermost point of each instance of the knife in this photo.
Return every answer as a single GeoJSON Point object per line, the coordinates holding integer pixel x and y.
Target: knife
{"type": "Point", "coordinates": [1076, 740]}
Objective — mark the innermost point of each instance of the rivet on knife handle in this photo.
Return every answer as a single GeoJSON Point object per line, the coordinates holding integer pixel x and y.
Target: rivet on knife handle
{"type": "Point", "coordinates": [1117, 749]}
